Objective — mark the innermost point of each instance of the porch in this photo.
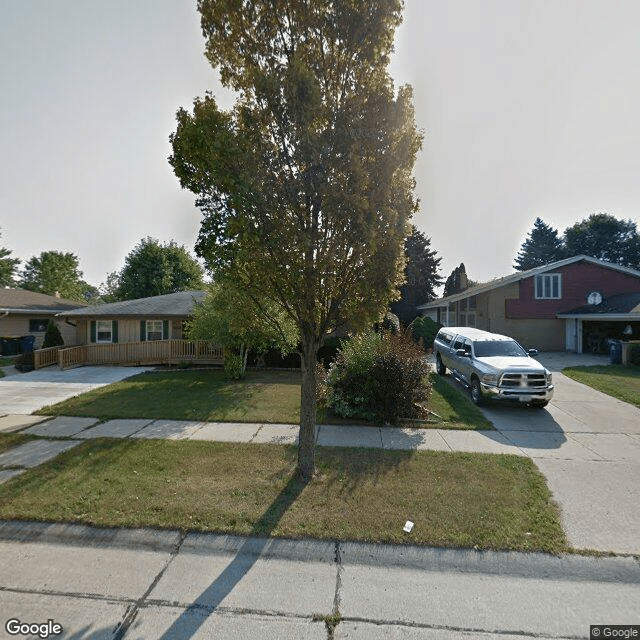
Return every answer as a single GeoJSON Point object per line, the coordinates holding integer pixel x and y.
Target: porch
{"type": "Point", "coordinates": [151, 352]}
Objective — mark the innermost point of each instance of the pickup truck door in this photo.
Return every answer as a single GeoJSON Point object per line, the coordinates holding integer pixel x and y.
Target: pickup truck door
{"type": "Point", "coordinates": [466, 365]}
{"type": "Point", "coordinates": [456, 362]}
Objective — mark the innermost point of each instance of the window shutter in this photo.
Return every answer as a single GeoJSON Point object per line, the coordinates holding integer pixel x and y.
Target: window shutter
{"type": "Point", "coordinates": [114, 331]}
{"type": "Point", "coordinates": [165, 329]}
{"type": "Point", "coordinates": [92, 332]}
{"type": "Point", "coordinates": [143, 330]}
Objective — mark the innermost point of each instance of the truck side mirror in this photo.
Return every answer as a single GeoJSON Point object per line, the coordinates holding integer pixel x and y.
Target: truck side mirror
{"type": "Point", "coordinates": [533, 352]}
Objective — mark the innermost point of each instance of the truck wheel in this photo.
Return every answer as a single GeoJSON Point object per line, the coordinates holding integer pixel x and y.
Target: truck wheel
{"type": "Point", "coordinates": [440, 368]}
{"type": "Point", "coordinates": [476, 391]}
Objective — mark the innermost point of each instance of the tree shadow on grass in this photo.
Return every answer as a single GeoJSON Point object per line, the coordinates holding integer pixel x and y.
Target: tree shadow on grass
{"type": "Point", "coordinates": [349, 468]}
{"type": "Point", "coordinates": [187, 624]}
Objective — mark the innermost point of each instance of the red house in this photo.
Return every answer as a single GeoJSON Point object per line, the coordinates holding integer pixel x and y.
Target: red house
{"type": "Point", "coordinates": [574, 304]}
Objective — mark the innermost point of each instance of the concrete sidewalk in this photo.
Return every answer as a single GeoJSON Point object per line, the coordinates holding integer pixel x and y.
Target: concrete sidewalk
{"type": "Point", "coordinates": [145, 584]}
{"type": "Point", "coordinates": [594, 477]}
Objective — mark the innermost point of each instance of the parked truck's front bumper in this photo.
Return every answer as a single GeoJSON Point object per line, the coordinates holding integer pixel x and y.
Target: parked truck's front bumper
{"type": "Point", "coordinates": [518, 394]}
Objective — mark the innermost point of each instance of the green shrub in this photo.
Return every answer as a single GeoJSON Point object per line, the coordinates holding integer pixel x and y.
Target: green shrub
{"type": "Point", "coordinates": [425, 329]}
{"type": "Point", "coordinates": [634, 356]}
{"type": "Point", "coordinates": [378, 377]}
{"type": "Point", "coordinates": [53, 337]}
{"type": "Point", "coordinates": [233, 366]}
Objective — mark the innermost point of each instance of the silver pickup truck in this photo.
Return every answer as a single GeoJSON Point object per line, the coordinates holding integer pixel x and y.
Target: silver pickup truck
{"type": "Point", "coordinates": [492, 366]}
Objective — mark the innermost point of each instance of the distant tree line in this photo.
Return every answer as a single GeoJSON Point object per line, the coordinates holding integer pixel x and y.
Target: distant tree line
{"type": "Point", "coordinates": [600, 236]}
{"type": "Point", "coordinates": [150, 269]}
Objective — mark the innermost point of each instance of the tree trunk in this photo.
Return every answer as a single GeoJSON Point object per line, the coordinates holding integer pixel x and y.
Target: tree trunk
{"type": "Point", "coordinates": [244, 352]}
{"type": "Point", "coordinates": [307, 444]}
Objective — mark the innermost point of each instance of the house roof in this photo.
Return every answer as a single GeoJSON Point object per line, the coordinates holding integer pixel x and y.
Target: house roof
{"type": "Point", "coordinates": [178, 304]}
{"type": "Point", "coordinates": [521, 275]}
{"type": "Point", "coordinates": [21, 301]}
{"type": "Point", "coordinates": [623, 306]}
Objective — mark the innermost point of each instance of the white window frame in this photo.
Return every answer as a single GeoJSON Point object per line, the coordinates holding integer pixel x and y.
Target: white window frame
{"type": "Point", "coordinates": [104, 322]}
{"type": "Point", "coordinates": [544, 286]}
{"type": "Point", "coordinates": [149, 330]}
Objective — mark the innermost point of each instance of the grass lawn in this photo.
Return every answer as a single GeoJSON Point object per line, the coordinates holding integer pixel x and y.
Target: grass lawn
{"type": "Point", "coordinates": [455, 499]}
{"type": "Point", "coordinates": [264, 396]}
{"type": "Point", "coordinates": [619, 381]}
{"type": "Point", "coordinates": [10, 440]}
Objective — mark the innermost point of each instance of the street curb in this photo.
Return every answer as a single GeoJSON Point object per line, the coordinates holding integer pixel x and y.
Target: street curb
{"type": "Point", "coordinates": [532, 565]}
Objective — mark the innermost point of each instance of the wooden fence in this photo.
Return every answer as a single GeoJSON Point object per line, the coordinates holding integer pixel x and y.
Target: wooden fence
{"type": "Point", "coordinates": [45, 357]}
{"type": "Point", "coordinates": [136, 353]}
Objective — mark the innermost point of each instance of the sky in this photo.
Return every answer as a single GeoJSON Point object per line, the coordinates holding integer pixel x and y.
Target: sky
{"type": "Point", "coordinates": [529, 108]}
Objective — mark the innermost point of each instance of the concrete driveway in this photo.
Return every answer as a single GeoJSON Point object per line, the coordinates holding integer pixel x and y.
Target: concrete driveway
{"type": "Point", "coordinates": [587, 444]}
{"type": "Point", "coordinates": [24, 393]}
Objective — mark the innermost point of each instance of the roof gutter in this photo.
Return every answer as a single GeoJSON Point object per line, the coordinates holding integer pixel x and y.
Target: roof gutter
{"type": "Point", "coordinates": [622, 317]}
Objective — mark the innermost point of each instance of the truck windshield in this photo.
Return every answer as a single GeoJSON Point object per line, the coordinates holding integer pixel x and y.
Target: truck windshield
{"type": "Point", "coordinates": [488, 348]}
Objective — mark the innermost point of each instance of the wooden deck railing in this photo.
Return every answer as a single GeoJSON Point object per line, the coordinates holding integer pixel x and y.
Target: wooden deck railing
{"type": "Point", "coordinates": [45, 357]}
{"type": "Point", "coordinates": [142, 353]}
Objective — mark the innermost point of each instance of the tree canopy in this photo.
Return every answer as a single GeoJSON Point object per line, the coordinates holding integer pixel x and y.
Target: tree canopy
{"type": "Point", "coordinates": [600, 236]}
{"type": "Point", "coordinates": [154, 269]}
{"type": "Point", "coordinates": [421, 276]}
{"type": "Point", "coordinates": [306, 185]}
{"type": "Point", "coordinates": [458, 281]}
{"type": "Point", "coordinates": [542, 246]}
{"type": "Point", "coordinates": [232, 320]}
{"type": "Point", "coordinates": [8, 267]}
{"type": "Point", "coordinates": [54, 273]}
{"type": "Point", "coordinates": [604, 237]}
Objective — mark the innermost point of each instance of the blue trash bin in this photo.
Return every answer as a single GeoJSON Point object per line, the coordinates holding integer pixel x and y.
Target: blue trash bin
{"type": "Point", "coordinates": [27, 343]}
{"type": "Point", "coordinates": [10, 346]}
{"type": "Point", "coordinates": [615, 352]}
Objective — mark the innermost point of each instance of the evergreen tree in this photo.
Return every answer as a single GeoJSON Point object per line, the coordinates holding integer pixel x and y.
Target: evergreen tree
{"type": "Point", "coordinates": [541, 247]}
{"type": "Point", "coordinates": [421, 276]}
{"type": "Point", "coordinates": [53, 337]}
{"type": "Point", "coordinates": [458, 281]}
{"type": "Point", "coordinates": [8, 268]}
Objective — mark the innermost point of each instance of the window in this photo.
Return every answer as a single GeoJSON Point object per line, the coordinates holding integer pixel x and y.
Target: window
{"type": "Point", "coordinates": [38, 326]}
{"type": "Point", "coordinates": [154, 329]}
{"type": "Point", "coordinates": [548, 286]}
{"type": "Point", "coordinates": [104, 331]}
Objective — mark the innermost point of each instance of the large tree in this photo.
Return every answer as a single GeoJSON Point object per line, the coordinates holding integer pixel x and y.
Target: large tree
{"type": "Point", "coordinates": [8, 267]}
{"type": "Point", "coordinates": [421, 276]}
{"type": "Point", "coordinates": [306, 185]}
{"type": "Point", "coordinates": [55, 273]}
{"type": "Point", "coordinates": [541, 247]}
{"type": "Point", "coordinates": [154, 269]}
{"type": "Point", "coordinates": [604, 237]}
